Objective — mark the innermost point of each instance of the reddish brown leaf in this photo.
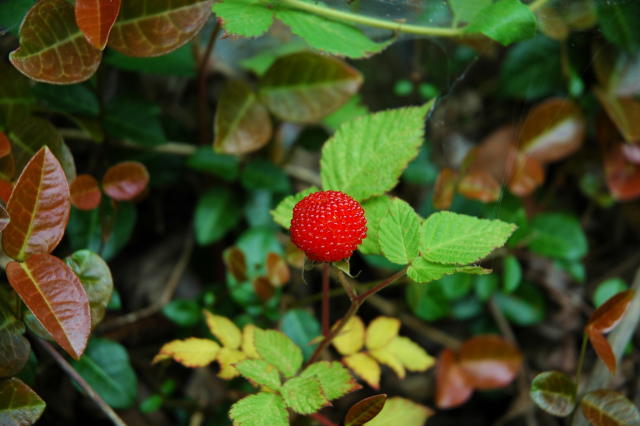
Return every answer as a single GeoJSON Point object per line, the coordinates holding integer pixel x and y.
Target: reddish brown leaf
{"type": "Point", "coordinates": [6, 188]}
{"type": "Point", "coordinates": [365, 410]}
{"type": "Point", "coordinates": [604, 407]}
{"type": "Point", "coordinates": [5, 146]}
{"type": "Point", "coordinates": [85, 193]}
{"type": "Point", "coordinates": [39, 208]}
{"type": "Point", "coordinates": [52, 47]}
{"type": "Point", "coordinates": [445, 188]}
{"type": "Point", "coordinates": [495, 153]}
{"type": "Point", "coordinates": [609, 314]}
{"type": "Point", "coordinates": [624, 112]}
{"type": "Point", "coordinates": [552, 130]}
{"type": "Point", "coordinates": [480, 185]}
{"type": "Point", "coordinates": [263, 288]}
{"type": "Point", "coordinates": [125, 181]}
{"type": "Point", "coordinates": [277, 270]}
{"type": "Point", "coordinates": [235, 262]}
{"type": "Point", "coordinates": [489, 361]}
{"type": "Point", "coordinates": [56, 297]}
{"type": "Point", "coordinates": [527, 174]}
{"type": "Point", "coordinates": [453, 387]}
{"type": "Point", "coordinates": [602, 348]}
{"type": "Point", "coordinates": [147, 28]}
{"type": "Point", "coordinates": [95, 19]}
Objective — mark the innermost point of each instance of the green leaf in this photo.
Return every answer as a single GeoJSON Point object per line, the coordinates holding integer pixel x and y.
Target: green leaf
{"type": "Point", "coordinates": [452, 238]}
{"type": "Point", "coordinates": [335, 38]}
{"type": "Point", "coordinates": [305, 87]}
{"type": "Point", "coordinates": [73, 98]}
{"type": "Point", "coordinates": [604, 407]}
{"type": "Point", "coordinates": [279, 350]}
{"type": "Point", "coordinates": [486, 286]}
{"type": "Point", "coordinates": [399, 233]}
{"type": "Point", "coordinates": [456, 286]}
{"type": "Point", "coordinates": [557, 235]}
{"type": "Point", "coordinates": [608, 289]}
{"type": "Point", "coordinates": [401, 411]}
{"type": "Point", "coordinates": [263, 174]}
{"type": "Point", "coordinates": [204, 159]}
{"type": "Point", "coordinates": [256, 243]}
{"type": "Point", "coordinates": [260, 409]}
{"type": "Point", "coordinates": [304, 395]}
{"type": "Point", "coordinates": [134, 119]}
{"type": "Point", "coordinates": [283, 213]}
{"type": "Point", "coordinates": [532, 70]}
{"type": "Point", "coordinates": [14, 347]}
{"type": "Point", "coordinates": [260, 63]}
{"type": "Point", "coordinates": [151, 404]}
{"type": "Point", "coordinates": [301, 327]}
{"type": "Point", "coordinates": [260, 371]}
{"type": "Point", "coordinates": [364, 158]}
{"type": "Point", "coordinates": [95, 276]}
{"type": "Point", "coordinates": [619, 23]}
{"type": "Point", "coordinates": [375, 209]}
{"type": "Point", "coordinates": [427, 301]}
{"type": "Point", "coordinates": [12, 13]}
{"type": "Point", "coordinates": [183, 312]}
{"type": "Point", "coordinates": [421, 171]}
{"type": "Point", "coordinates": [466, 10]}
{"type": "Point", "coordinates": [524, 307]}
{"type": "Point", "coordinates": [19, 405]}
{"type": "Point", "coordinates": [217, 212]}
{"type": "Point", "coordinates": [347, 112]}
{"type": "Point", "coordinates": [15, 98]}
{"type": "Point", "coordinates": [554, 392]}
{"type": "Point", "coordinates": [179, 63]}
{"type": "Point", "coordinates": [511, 273]}
{"type": "Point", "coordinates": [246, 18]}
{"type": "Point", "coordinates": [105, 366]}
{"type": "Point", "coordinates": [424, 271]}
{"type": "Point", "coordinates": [505, 21]}
{"type": "Point", "coordinates": [334, 378]}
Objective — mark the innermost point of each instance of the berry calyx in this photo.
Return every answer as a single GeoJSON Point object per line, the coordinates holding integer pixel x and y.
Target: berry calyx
{"type": "Point", "coordinates": [328, 226]}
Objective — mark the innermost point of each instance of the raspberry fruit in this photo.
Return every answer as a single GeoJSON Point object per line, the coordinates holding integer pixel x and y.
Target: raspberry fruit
{"type": "Point", "coordinates": [328, 226]}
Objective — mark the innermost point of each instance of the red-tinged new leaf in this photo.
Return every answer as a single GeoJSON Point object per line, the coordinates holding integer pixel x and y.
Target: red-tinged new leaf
{"type": "Point", "coordinates": [52, 47]}
{"type": "Point", "coordinates": [495, 153]}
{"type": "Point", "coordinates": [445, 188]}
{"type": "Point", "coordinates": [5, 145]}
{"type": "Point", "coordinates": [147, 28]}
{"type": "Point", "coordinates": [453, 387]}
{"type": "Point", "coordinates": [602, 348]}
{"type": "Point", "coordinates": [604, 407]}
{"type": "Point", "coordinates": [553, 129]}
{"type": "Point", "coordinates": [95, 19]}
{"type": "Point", "coordinates": [527, 174]}
{"type": "Point", "coordinates": [490, 362]}
{"type": "Point", "coordinates": [54, 294]}
{"type": "Point", "coordinates": [6, 188]}
{"type": "Point", "coordinates": [235, 262]}
{"type": "Point", "coordinates": [480, 185]}
{"type": "Point", "coordinates": [39, 208]}
{"type": "Point", "coordinates": [609, 314]}
{"type": "Point", "coordinates": [278, 271]}
{"type": "Point", "coordinates": [365, 410]}
{"type": "Point", "coordinates": [125, 181]}
{"type": "Point", "coordinates": [85, 192]}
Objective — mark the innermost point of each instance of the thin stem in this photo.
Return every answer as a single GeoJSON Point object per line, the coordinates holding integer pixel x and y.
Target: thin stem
{"type": "Point", "coordinates": [202, 86]}
{"type": "Point", "coordinates": [325, 300]}
{"type": "Point", "coordinates": [383, 284]}
{"type": "Point", "coordinates": [322, 419]}
{"type": "Point", "coordinates": [347, 287]}
{"type": "Point", "coordinates": [115, 419]}
{"type": "Point", "coordinates": [581, 360]}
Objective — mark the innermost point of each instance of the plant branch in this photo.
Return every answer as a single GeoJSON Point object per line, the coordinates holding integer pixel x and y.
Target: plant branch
{"type": "Point", "coordinates": [325, 300]}
{"type": "Point", "coordinates": [115, 419]}
{"type": "Point", "coordinates": [322, 419]}
{"type": "Point", "coordinates": [203, 72]}
{"type": "Point", "coordinates": [583, 350]}
{"type": "Point", "coordinates": [383, 284]}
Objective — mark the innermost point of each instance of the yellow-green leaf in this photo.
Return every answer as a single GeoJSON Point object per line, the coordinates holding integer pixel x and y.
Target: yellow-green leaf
{"type": "Point", "coordinates": [381, 331]}
{"type": "Point", "coordinates": [365, 367]}
{"type": "Point", "coordinates": [351, 338]}
{"type": "Point", "coordinates": [401, 411]}
{"type": "Point", "coordinates": [227, 357]}
{"type": "Point", "coordinates": [388, 358]}
{"type": "Point", "coordinates": [410, 354]}
{"type": "Point", "coordinates": [248, 341]}
{"type": "Point", "coordinates": [192, 352]}
{"type": "Point", "coordinates": [224, 329]}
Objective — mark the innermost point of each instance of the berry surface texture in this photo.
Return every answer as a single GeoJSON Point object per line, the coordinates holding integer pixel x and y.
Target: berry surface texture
{"type": "Point", "coordinates": [328, 226]}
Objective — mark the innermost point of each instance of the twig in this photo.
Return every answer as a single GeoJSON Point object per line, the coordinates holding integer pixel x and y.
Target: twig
{"type": "Point", "coordinates": [325, 300]}
{"type": "Point", "coordinates": [203, 71]}
{"type": "Point", "coordinates": [322, 419]}
{"type": "Point", "coordinates": [81, 382]}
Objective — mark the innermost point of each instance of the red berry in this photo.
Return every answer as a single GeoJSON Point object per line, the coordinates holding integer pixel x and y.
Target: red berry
{"type": "Point", "coordinates": [328, 226]}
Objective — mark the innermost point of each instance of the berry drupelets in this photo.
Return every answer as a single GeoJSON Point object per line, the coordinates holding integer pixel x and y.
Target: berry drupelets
{"type": "Point", "coordinates": [328, 226]}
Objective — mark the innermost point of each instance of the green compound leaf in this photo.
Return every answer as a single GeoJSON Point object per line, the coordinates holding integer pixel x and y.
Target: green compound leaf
{"type": "Point", "coordinates": [605, 407]}
{"type": "Point", "coordinates": [618, 24]}
{"type": "Point", "coordinates": [423, 271]}
{"type": "Point", "coordinates": [305, 87]}
{"type": "Point", "coordinates": [554, 392]}
{"type": "Point", "coordinates": [375, 209]}
{"type": "Point", "coordinates": [105, 366]}
{"type": "Point", "coordinates": [260, 372]}
{"type": "Point", "coordinates": [278, 350]}
{"type": "Point", "coordinates": [19, 405]}
{"type": "Point", "coordinates": [246, 18]}
{"type": "Point", "coordinates": [304, 395]}
{"type": "Point", "coordinates": [466, 10]}
{"type": "Point", "coordinates": [505, 21]}
{"type": "Point", "coordinates": [217, 212]}
{"type": "Point", "coordinates": [329, 36]}
{"type": "Point", "coordinates": [334, 379]}
{"type": "Point", "coordinates": [284, 212]}
{"type": "Point", "coordinates": [453, 238]}
{"type": "Point", "coordinates": [260, 409]}
{"type": "Point", "coordinates": [364, 158]}
{"type": "Point", "coordinates": [558, 235]}
{"type": "Point", "coordinates": [399, 233]}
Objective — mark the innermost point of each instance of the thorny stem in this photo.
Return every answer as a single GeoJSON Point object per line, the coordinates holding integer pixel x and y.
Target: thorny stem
{"type": "Point", "coordinates": [115, 419]}
{"type": "Point", "coordinates": [203, 72]}
{"type": "Point", "coordinates": [356, 302]}
{"type": "Point", "coordinates": [325, 300]}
